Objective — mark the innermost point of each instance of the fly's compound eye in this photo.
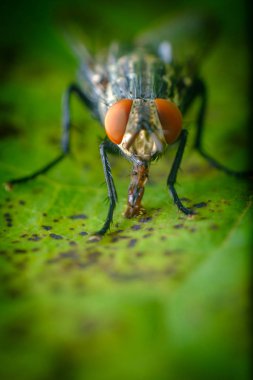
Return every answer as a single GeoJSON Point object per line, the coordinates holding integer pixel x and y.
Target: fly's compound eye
{"type": "Point", "coordinates": [170, 119]}
{"type": "Point", "coordinates": [116, 120]}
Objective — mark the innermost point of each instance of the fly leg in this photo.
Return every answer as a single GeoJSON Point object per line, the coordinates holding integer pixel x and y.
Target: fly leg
{"type": "Point", "coordinates": [65, 143]}
{"type": "Point", "coordinates": [173, 173]}
{"type": "Point", "coordinates": [201, 91]}
{"type": "Point", "coordinates": [108, 147]}
{"type": "Point", "coordinates": [105, 147]}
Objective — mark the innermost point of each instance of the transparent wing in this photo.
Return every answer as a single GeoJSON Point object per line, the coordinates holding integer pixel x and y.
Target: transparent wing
{"type": "Point", "coordinates": [184, 36]}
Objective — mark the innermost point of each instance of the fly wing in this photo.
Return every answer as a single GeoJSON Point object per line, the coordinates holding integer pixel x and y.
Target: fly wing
{"type": "Point", "coordinates": [92, 73]}
{"type": "Point", "coordinates": [187, 36]}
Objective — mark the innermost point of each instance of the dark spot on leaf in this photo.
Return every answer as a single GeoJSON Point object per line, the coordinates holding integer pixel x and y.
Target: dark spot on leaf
{"type": "Point", "coordinates": [200, 205]}
{"type": "Point", "coordinates": [170, 270]}
{"type": "Point", "coordinates": [83, 233]}
{"type": "Point", "coordinates": [150, 229]}
{"type": "Point", "coordinates": [24, 235]}
{"type": "Point", "coordinates": [47, 228]}
{"type": "Point", "coordinates": [44, 214]}
{"type": "Point", "coordinates": [214, 227]}
{"type": "Point", "coordinates": [88, 326]}
{"type": "Point", "coordinates": [93, 256]}
{"type": "Point", "coordinates": [91, 259]}
{"type": "Point", "coordinates": [8, 129]}
{"type": "Point", "coordinates": [22, 203]}
{"type": "Point", "coordinates": [53, 261]}
{"type": "Point", "coordinates": [18, 250]}
{"type": "Point", "coordinates": [79, 216]}
{"type": "Point", "coordinates": [72, 254]}
{"type": "Point", "coordinates": [55, 220]}
{"type": "Point", "coordinates": [57, 237]}
{"type": "Point", "coordinates": [147, 235]}
{"type": "Point", "coordinates": [157, 211]}
{"type": "Point", "coordinates": [184, 199]}
{"type": "Point", "coordinates": [83, 265]}
{"type": "Point", "coordinates": [17, 329]}
{"type": "Point", "coordinates": [53, 140]}
{"type": "Point", "coordinates": [178, 226]}
{"type": "Point", "coordinates": [139, 254]}
{"type": "Point", "coordinates": [14, 292]}
{"type": "Point", "coordinates": [34, 237]}
{"type": "Point", "coordinates": [132, 243]}
{"type": "Point", "coordinates": [136, 227]}
{"type": "Point", "coordinates": [145, 219]}
{"type": "Point", "coordinates": [36, 249]}
{"type": "Point", "coordinates": [169, 252]}
{"type": "Point", "coordinates": [119, 237]}
{"type": "Point", "coordinates": [126, 276]}
{"type": "Point", "coordinates": [71, 229]}
{"type": "Point", "coordinates": [72, 243]}
{"type": "Point", "coordinates": [163, 238]}
{"type": "Point", "coordinates": [9, 224]}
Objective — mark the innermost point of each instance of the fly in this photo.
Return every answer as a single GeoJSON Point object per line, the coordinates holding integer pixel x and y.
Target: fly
{"type": "Point", "coordinates": [140, 96]}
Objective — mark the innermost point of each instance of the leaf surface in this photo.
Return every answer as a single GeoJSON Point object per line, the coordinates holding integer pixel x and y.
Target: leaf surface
{"type": "Point", "coordinates": [160, 294]}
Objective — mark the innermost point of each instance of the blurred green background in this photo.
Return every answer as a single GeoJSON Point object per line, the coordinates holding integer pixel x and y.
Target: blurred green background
{"type": "Point", "coordinates": [160, 297]}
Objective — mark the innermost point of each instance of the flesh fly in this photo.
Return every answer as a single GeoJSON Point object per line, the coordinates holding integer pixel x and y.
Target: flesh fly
{"type": "Point", "coordinates": [140, 95]}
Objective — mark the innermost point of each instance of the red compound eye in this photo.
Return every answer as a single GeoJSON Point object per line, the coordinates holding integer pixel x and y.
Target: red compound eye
{"type": "Point", "coordinates": [116, 120]}
{"type": "Point", "coordinates": [170, 118]}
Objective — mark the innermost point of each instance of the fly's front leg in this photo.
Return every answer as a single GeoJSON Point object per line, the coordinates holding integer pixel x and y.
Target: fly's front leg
{"type": "Point", "coordinates": [173, 173]}
{"type": "Point", "coordinates": [65, 145]}
{"type": "Point", "coordinates": [200, 90]}
{"type": "Point", "coordinates": [112, 194]}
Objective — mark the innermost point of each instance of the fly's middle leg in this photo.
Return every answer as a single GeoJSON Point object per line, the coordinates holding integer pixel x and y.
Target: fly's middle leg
{"type": "Point", "coordinates": [105, 147]}
{"type": "Point", "coordinates": [65, 144]}
{"type": "Point", "coordinates": [173, 174]}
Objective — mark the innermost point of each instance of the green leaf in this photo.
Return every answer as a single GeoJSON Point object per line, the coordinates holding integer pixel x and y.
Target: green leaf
{"type": "Point", "coordinates": [160, 296]}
